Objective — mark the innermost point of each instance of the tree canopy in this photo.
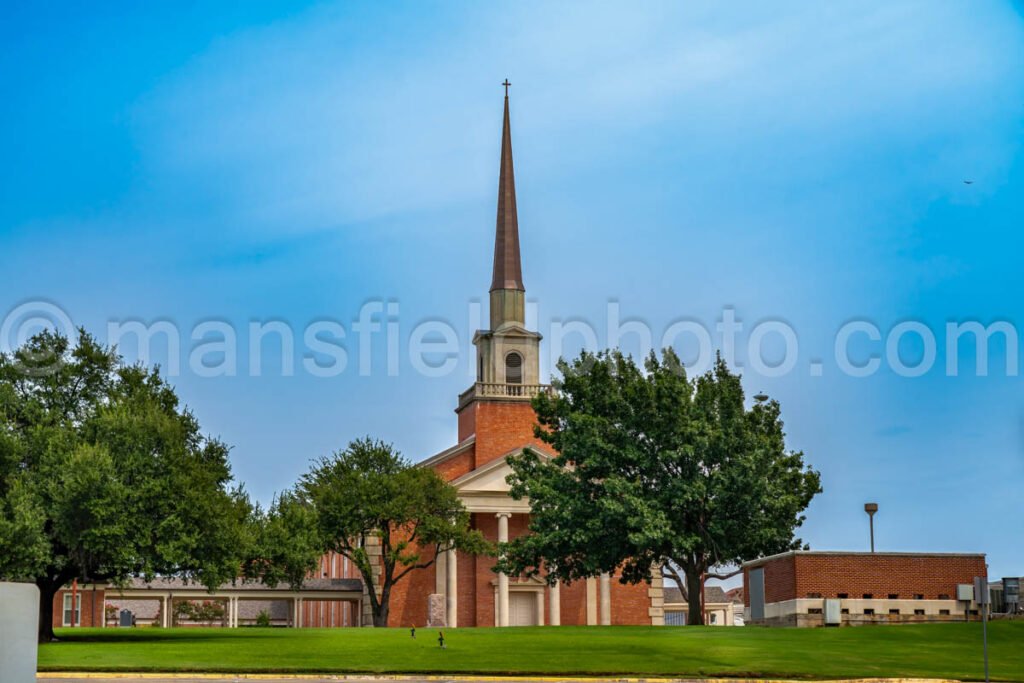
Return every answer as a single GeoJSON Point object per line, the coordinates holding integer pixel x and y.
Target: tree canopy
{"type": "Point", "coordinates": [104, 476]}
{"type": "Point", "coordinates": [655, 472]}
{"type": "Point", "coordinates": [369, 499]}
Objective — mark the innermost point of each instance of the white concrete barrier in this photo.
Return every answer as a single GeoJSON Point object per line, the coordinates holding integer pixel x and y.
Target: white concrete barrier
{"type": "Point", "coordinates": [19, 632]}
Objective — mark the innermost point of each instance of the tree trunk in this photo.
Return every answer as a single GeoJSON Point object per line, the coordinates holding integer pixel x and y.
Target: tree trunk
{"type": "Point", "coordinates": [380, 615]}
{"type": "Point", "coordinates": [695, 596]}
{"type": "Point", "coordinates": [47, 591]}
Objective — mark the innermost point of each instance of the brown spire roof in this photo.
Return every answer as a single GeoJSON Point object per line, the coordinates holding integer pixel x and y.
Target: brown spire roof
{"type": "Point", "coordinates": [508, 271]}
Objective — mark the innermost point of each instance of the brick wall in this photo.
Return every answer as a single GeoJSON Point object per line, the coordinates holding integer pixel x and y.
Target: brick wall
{"type": "Point", "coordinates": [880, 575]}
{"type": "Point", "coordinates": [502, 426]}
{"type": "Point", "coordinates": [91, 606]}
{"type": "Point", "coordinates": [630, 604]}
{"type": "Point", "coordinates": [455, 466]}
{"type": "Point", "coordinates": [779, 580]}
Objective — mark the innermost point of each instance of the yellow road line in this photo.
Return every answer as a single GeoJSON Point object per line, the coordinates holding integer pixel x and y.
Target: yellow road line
{"type": "Point", "coordinates": [461, 678]}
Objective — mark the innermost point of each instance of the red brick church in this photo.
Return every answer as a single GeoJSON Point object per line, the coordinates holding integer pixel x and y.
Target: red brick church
{"type": "Point", "coordinates": [496, 420]}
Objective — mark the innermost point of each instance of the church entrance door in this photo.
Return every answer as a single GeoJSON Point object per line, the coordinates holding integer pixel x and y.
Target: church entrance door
{"type": "Point", "coordinates": [522, 609]}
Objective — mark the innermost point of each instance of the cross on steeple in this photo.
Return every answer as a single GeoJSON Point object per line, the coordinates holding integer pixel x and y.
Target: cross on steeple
{"type": "Point", "coordinates": [506, 84]}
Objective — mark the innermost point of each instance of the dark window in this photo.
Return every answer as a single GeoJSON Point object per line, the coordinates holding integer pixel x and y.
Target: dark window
{"type": "Point", "coordinates": [844, 611]}
{"type": "Point", "coordinates": [480, 369]}
{"type": "Point", "coordinates": [919, 612]}
{"type": "Point", "coordinates": [894, 611]}
{"type": "Point", "coordinates": [943, 596]}
{"type": "Point", "coordinates": [868, 596]}
{"type": "Point", "coordinates": [814, 610]}
{"type": "Point", "coordinates": [974, 612]}
{"type": "Point", "coordinates": [944, 612]}
{"type": "Point", "coordinates": [869, 611]}
{"type": "Point", "coordinates": [894, 596]}
{"type": "Point", "coordinates": [919, 596]}
{"type": "Point", "coordinates": [843, 596]}
{"type": "Point", "coordinates": [513, 368]}
{"type": "Point", "coordinates": [814, 595]}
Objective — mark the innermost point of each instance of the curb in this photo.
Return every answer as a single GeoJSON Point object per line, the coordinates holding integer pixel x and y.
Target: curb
{"type": "Point", "coordinates": [455, 678]}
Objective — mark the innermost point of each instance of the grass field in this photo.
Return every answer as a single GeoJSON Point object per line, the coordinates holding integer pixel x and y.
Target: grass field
{"type": "Point", "coordinates": [926, 651]}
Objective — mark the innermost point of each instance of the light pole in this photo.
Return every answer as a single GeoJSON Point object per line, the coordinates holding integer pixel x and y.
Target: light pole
{"type": "Point", "coordinates": [871, 509]}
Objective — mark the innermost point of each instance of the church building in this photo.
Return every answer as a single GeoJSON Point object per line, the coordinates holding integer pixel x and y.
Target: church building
{"type": "Point", "coordinates": [496, 420]}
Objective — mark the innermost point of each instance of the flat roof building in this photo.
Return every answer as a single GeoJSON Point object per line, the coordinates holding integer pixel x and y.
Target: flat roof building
{"type": "Point", "coordinates": [818, 588]}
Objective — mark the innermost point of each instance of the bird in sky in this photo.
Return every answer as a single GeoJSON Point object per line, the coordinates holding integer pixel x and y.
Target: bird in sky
{"type": "Point", "coordinates": [968, 182]}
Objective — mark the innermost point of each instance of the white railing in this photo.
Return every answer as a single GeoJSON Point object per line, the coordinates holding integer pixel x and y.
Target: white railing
{"type": "Point", "coordinates": [499, 390]}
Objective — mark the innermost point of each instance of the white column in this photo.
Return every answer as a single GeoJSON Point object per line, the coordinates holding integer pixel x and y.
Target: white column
{"type": "Point", "coordinates": [503, 577]}
{"type": "Point", "coordinates": [452, 589]}
{"type": "Point", "coordinates": [605, 608]}
{"type": "Point", "coordinates": [591, 584]}
{"type": "Point", "coordinates": [554, 605]}
{"type": "Point", "coordinates": [296, 612]}
{"type": "Point", "coordinates": [540, 608]}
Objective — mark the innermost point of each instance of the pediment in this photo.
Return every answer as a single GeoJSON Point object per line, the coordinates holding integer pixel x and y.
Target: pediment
{"type": "Point", "coordinates": [490, 478]}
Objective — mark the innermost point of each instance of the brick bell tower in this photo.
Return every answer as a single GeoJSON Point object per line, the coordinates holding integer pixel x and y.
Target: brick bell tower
{"type": "Point", "coordinates": [496, 408]}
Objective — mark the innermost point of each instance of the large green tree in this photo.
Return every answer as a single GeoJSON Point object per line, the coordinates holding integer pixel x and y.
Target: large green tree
{"type": "Point", "coordinates": [655, 472]}
{"type": "Point", "coordinates": [386, 515]}
{"type": "Point", "coordinates": [104, 476]}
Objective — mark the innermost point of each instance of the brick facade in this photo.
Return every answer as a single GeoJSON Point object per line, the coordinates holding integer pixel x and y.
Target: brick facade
{"type": "Point", "coordinates": [854, 575]}
{"type": "Point", "coordinates": [870, 588]}
{"type": "Point", "coordinates": [500, 427]}
{"type": "Point", "coordinates": [91, 601]}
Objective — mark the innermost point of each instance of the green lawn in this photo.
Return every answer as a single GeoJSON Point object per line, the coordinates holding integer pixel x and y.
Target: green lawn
{"type": "Point", "coordinates": [925, 651]}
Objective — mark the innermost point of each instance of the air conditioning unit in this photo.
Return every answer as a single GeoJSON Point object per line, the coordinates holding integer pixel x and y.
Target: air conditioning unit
{"type": "Point", "coordinates": [833, 615]}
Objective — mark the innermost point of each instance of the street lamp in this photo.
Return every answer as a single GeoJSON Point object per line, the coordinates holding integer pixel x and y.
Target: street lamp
{"type": "Point", "coordinates": [871, 509]}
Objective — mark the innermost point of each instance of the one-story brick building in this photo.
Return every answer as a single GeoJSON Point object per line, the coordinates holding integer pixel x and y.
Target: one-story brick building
{"type": "Point", "coordinates": [818, 588]}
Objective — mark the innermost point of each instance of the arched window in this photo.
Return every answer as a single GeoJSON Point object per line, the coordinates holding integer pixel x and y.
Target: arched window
{"type": "Point", "coordinates": [513, 368]}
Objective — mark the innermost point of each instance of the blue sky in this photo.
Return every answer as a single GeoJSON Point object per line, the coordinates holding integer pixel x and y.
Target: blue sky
{"type": "Point", "coordinates": [794, 162]}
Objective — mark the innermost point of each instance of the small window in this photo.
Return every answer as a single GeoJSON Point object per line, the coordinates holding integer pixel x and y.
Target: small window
{"type": "Point", "coordinates": [894, 611]}
{"type": "Point", "coordinates": [844, 611]}
{"type": "Point", "coordinates": [944, 612]}
{"type": "Point", "coordinates": [919, 596]}
{"type": "Point", "coordinates": [919, 612]}
{"type": "Point", "coordinates": [943, 596]}
{"type": "Point", "coordinates": [974, 612]}
{"type": "Point", "coordinates": [513, 368]}
{"type": "Point", "coordinates": [868, 596]}
{"type": "Point", "coordinates": [843, 596]}
{"type": "Point", "coordinates": [714, 618]}
{"type": "Point", "coordinates": [67, 610]}
{"type": "Point", "coordinates": [894, 596]}
{"type": "Point", "coordinates": [869, 611]}
{"type": "Point", "coordinates": [814, 610]}
{"type": "Point", "coordinates": [814, 595]}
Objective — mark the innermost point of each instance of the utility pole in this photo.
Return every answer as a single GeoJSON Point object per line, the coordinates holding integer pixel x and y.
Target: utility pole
{"type": "Point", "coordinates": [981, 596]}
{"type": "Point", "coordinates": [871, 509]}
